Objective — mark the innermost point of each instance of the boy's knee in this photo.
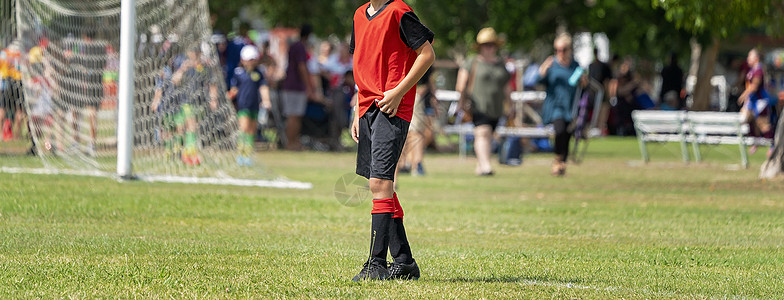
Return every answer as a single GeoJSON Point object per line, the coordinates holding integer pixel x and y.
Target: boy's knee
{"type": "Point", "coordinates": [764, 126]}
{"type": "Point", "coordinates": [378, 185]}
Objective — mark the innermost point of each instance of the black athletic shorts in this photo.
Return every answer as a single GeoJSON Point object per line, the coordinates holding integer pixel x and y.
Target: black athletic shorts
{"type": "Point", "coordinates": [381, 140]}
{"type": "Point", "coordinates": [483, 119]}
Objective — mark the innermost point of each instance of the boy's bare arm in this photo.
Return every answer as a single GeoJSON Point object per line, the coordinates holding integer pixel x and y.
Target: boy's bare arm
{"type": "Point", "coordinates": [425, 58]}
{"type": "Point", "coordinates": [355, 123]}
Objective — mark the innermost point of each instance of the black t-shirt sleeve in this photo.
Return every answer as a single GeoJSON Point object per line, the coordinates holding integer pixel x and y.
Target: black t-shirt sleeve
{"type": "Point", "coordinates": [351, 44]}
{"type": "Point", "coordinates": [608, 74]}
{"type": "Point", "coordinates": [413, 33]}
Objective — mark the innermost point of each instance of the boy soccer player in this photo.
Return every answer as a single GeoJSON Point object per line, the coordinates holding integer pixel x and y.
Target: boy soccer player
{"type": "Point", "coordinates": [391, 51]}
{"type": "Point", "coordinates": [194, 75]}
{"type": "Point", "coordinates": [250, 88]}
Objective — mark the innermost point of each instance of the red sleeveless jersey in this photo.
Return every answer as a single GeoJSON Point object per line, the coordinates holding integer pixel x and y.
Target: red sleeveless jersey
{"type": "Point", "coordinates": [381, 58]}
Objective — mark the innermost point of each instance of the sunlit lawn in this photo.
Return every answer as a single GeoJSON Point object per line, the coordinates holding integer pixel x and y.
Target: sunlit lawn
{"type": "Point", "coordinates": [612, 228]}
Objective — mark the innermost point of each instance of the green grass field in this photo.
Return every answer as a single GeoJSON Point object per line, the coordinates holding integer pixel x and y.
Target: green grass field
{"type": "Point", "coordinates": [613, 228]}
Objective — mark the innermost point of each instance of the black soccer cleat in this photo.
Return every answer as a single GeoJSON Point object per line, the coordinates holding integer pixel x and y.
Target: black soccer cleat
{"type": "Point", "coordinates": [404, 271]}
{"type": "Point", "coordinates": [373, 269]}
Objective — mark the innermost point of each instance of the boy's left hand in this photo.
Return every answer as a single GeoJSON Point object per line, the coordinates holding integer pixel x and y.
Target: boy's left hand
{"type": "Point", "coordinates": [390, 103]}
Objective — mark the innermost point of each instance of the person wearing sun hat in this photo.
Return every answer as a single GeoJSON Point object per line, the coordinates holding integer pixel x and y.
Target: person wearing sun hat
{"type": "Point", "coordinates": [483, 80]}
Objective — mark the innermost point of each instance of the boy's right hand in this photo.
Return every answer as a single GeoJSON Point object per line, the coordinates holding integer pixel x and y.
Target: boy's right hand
{"type": "Point", "coordinates": [355, 130]}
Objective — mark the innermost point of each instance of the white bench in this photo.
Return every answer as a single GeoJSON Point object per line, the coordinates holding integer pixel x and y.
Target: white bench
{"type": "Point", "coordinates": [721, 128]}
{"type": "Point", "coordinates": [697, 128]}
{"type": "Point", "coordinates": [465, 129]}
{"type": "Point", "coordinates": [660, 127]}
{"type": "Point", "coordinates": [521, 101]}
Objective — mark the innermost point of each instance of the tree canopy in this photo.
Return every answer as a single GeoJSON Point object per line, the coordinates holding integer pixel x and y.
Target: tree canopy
{"type": "Point", "coordinates": [721, 18]}
{"type": "Point", "coordinates": [648, 28]}
{"type": "Point", "coordinates": [327, 17]}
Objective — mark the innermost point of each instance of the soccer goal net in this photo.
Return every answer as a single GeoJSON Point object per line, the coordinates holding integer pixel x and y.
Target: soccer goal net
{"type": "Point", "coordinates": [184, 128]}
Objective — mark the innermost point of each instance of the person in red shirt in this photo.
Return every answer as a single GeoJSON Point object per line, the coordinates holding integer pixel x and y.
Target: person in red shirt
{"type": "Point", "coordinates": [392, 50]}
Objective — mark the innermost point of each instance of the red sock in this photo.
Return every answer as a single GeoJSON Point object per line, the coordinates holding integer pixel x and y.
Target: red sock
{"type": "Point", "coordinates": [7, 133]}
{"type": "Point", "coordinates": [398, 208]}
{"type": "Point", "coordinates": [383, 206]}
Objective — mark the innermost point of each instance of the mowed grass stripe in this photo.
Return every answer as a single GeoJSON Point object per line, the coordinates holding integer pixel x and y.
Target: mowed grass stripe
{"type": "Point", "coordinates": [613, 228]}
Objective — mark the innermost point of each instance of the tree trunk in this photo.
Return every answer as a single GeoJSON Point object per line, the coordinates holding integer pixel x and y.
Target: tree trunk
{"type": "Point", "coordinates": [702, 89]}
{"type": "Point", "coordinates": [773, 166]}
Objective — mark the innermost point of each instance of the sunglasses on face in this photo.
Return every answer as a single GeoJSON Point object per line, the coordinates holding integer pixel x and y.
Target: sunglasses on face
{"type": "Point", "coordinates": [561, 50]}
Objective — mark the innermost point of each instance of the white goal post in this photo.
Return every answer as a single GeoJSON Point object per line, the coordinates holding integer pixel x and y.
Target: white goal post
{"type": "Point", "coordinates": [128, 89]}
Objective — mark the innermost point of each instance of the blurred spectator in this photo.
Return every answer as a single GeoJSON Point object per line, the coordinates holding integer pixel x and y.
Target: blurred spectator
{"type": "Point", "coordinates": [670, 102]}
{"type": "Point", "coordinates": [40, 100]}
{"type": "Point", "coordinates": [601, 72]}
{"type": "Point", "coordinates": [150, 43]}
{"type": "Point", "coordinates": [5, 94]}
{"type": "Point", "coordinates": [420, 130]}
{"type": "Point", "coordinates": [672, 84]}
{"type": "Point", "coordinates": [221, 46]}
{"type": "Point", "coordinates": [755, 101]}
{"type": "Point", "coordinates": [111, 75]}
{"type": "Point", "coordinates": [79, 87]}
{"type": "Point", "coordinates": [324, 81]}
{"type": "Point", "coordinates": [340, 104]}
{"type": "Point", "coordinates": [561, 75]}
{"type": "Point", "coordinates": [233, 49]}
{"type": "Point", "coordinates": [484, 80]}
{"type": "Point", "coordinates": [91, 62]}
{"type": "Point", "coordinates": [324, 114]}
{"type": "Point", "coordinates": [41, 108]}
{"type": "Point", "coordinates": [296, 89]}
{"type": "Point", "coordinates": [12, 114]}
{"type": "Point", "coordinates": [345, 92]}
{"type": "Point", "coordinates": [737, 80]}
{"type": "Point", "coordinates": [314, 133]}
{"type": "Point", "coordinates": [270, 66]}
{"type": "Point", "coordinates": [339, 63]}
{"type": "Point", "coordinates": [626, 93]}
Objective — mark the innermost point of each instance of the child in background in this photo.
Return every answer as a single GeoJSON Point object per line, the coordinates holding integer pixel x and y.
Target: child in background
{"type": "Point", "coordinates": [11, 96]}
{"type": "Point", "coordinates": [194, 76]}
{"type": "Point", "coordinates": [41, 111]}
{"type": "Point", "coordinates": [166, 105]}
{"type": "Point", "coordinates": [250, 89]}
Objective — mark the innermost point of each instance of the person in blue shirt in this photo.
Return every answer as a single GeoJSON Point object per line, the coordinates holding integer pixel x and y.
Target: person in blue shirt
{"type": "Point", "coordinates": [234, 45]}
{"type": "Point", "coordinates": [249, 89]}
{"type": "Point", "coordinates": [561, 75]}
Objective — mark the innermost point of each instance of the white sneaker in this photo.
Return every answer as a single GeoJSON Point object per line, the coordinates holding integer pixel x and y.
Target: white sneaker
{"type": "Point", "coordinates": [91, 149]}
{"type": "Point", "coordinates": [594, 132]}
